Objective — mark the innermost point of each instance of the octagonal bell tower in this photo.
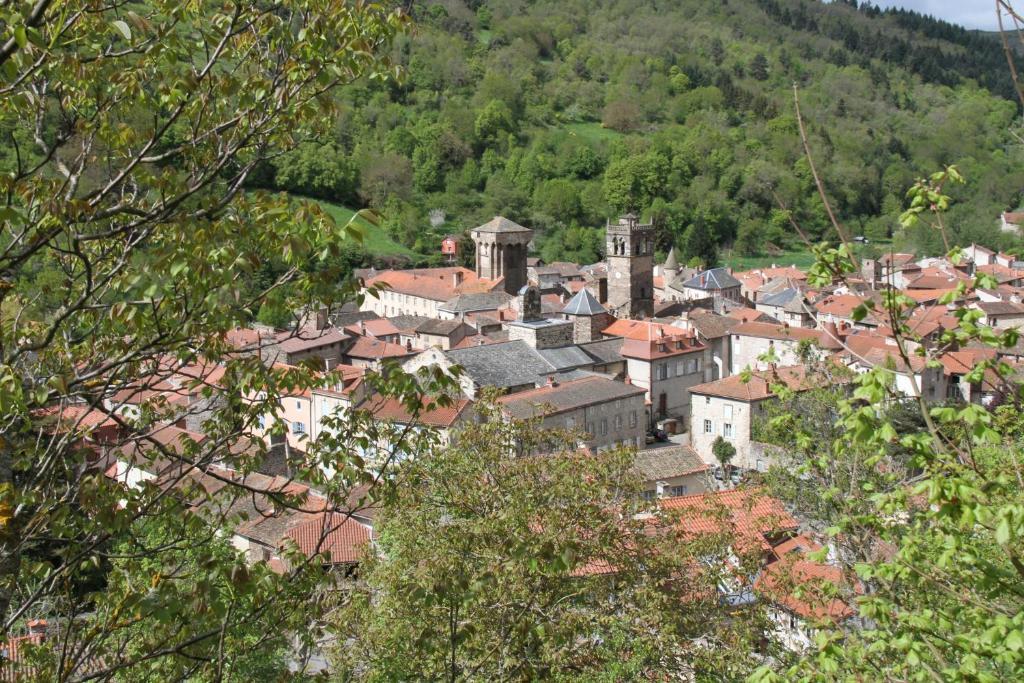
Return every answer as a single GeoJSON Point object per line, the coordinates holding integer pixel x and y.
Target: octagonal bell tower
{"type": "Point", "coordinates": [501, 247]}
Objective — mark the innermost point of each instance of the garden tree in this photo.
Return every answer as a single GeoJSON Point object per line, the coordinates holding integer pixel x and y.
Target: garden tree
{"type": "Point", "coordinates": [699, 245]}
{"type": "Point", "coordinates": [931, 498]}
{"type": "Point", "coordinates": [724, 452]}
{"type": "Point", "coordinates": [132, 132]}
{"type": "Point", "coordinates": [385, 176]}
{"type": "Point", "coordinates": [623, 116]}
{"type": "Point", "coordinates": [511, 553]}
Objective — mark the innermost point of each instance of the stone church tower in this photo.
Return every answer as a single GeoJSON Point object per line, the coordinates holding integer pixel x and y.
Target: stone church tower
{"type": "Point", "coordinates": [629, 252]}
{"type": "Point", "coordinates": [501, 252]}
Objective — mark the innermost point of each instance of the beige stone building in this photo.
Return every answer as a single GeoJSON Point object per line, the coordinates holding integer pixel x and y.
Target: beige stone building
{"type": "Point", "coordinates": [606, 412]}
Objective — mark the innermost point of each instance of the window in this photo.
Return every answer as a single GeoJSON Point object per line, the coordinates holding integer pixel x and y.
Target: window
{"type": "Point", "coordinates": [663, 371]}
{"type": "Point", "coordinates": [708, 427]}
{"type": "Point", "coordinates": [677, 491]}
{"type": "Point", "coordinates": [618, 422]}
{"type": "Point", "coordinates": [727, 411]}
{"type": "Point", "coordinates": [604, 426]}
{"type": "Point", "coordinates": [632, 419]}
{"type": "Point", "coordinates": [707, 400]}
{"type": "Point", "coordinates": [590, 428]}
{"type": "Point", "coordinates": [727, 430]}
{"type": "Point", "coordinates": [298, 427]}
{"type": "Point", "coordinates": [681, 368]}
{"type": "Point", "coordinates": [570, 423]}
{"type": "Point", "coordinates": [648, 495]}
{"type": "Point", "coordinates": [298, 405]}
{"type": "Point", "coordinates": [262, 421]}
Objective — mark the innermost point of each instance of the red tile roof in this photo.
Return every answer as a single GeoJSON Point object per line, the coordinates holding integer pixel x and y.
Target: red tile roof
{"type": "Point", "coordinates": [368, 348]}
{"type": "Point", "coordinates": [379, 327]}
{"type": "Point", "coordinates": [803, 587]}
{"type": "Point", "coordinates": [436, 284]}
{"type": "Point", "coordinates": [666, 346]}
{"type": "Point", "coordinates": [434, 415]}
{"type": "Point", "coordinates": [638, 329]}
{"type": "Point", "coordinates": [339, 536]}
{"type": "Point", "coordinates": [775, 331]}
{"type": "Point", "coordinates": [759, 387]}
{"type": "Point", "coordinates": [750, 514]}
{"type": "Point", "coordinates": [296, 341]}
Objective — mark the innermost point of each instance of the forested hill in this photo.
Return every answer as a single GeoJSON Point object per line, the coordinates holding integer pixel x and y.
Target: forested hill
{"type": "Point", "coordinates": [560, 113]}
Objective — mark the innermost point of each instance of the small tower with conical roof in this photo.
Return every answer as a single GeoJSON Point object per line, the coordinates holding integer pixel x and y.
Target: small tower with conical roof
{"type": "Point", "coordinates": [501, 247]}
{"type": "Point", "coordinates": [670, 271]}
{"type": "Point", "coordinates": [589, 318]}
{"type": "Point", "coordinates": [629, 251]}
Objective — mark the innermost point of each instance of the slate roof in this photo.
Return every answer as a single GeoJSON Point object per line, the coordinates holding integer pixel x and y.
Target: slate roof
{"type": "Point", "coordinates": [710, 325]}
{"type": "Point", "coordinates": [716, 278]}
{"type": "Point", "coordinates": [567, 396]}
{"type": "Point", "coordinates": [506, 364]}
{"type": "Point", "coordinates": [665, 463]}
{"type": "Point", "coordinates": [567, 357]}
{"type": "Point", "coordinates": [604, 350]}
{"type": "Point", "coordinates": [476, 301]}
{"type": "Point", "coordinates": [501, 224]}
{"type": "Point", "coordinates": [780, 298]}
{"type": "Point", "coordinates": [584, 303]}
{"type": "Point", "coordinates": [671, 263]}
{"type": "Point", "coordinates": [441, 327]}
{"type": "Point", "coordinates": [408, 323]}
{"type": "Point", "coordinates": [294, 342]}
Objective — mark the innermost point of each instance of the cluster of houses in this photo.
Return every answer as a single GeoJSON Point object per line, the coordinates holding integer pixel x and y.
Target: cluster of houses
{"type": "Point", "coordinates": [626, 352]}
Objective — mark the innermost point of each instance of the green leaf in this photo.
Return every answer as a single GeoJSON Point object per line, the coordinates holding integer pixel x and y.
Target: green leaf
{"type": "Point", "coordinates": [122, 28]}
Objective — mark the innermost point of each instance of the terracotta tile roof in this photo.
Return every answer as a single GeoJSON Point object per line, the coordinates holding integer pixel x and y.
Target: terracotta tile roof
{"type": "Point", "coordinates": [678, 344]}
{"type": "Point", "coordinates": [790, 272]}
{"type": "Point", "coordinates": [840, 305]}
{"type": "Point", "coordinates": [1001, 308]}
{"type": "Point", "coordinates": [339, 536]}
{"type": "Point", "coordinates": [436, 284]}
{"type": "Point", "coordinates": [760, 385]}
{"type": "Point", "coordinates": [637, 329]}
{"type": "Point", "coordinates": [368, 348]}
{"type": "Point", "coordinates": [775, 331]}
{"type": "Point", "coordinates": [750, 514]}
{"type": "Point", "coordinates": [744, 314]}
{"type": "Point", "coordinates": [433, 415]}
{"type": "Point", "coordinates": [963, 361]}
{"type": "Point", "coordinates": [1001, 273]}
{"type": "Point", "coordinates": [780, 581]}
{"type": "Point", "coordinates": [922, 296]}
{"type": "Point", "coordinates": [380, 327]}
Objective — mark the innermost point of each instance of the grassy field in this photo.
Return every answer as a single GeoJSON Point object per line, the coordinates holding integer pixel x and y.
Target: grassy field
{"type": "Point", "coordinates": [592, 132]}
{"type": "Point", "coordinates": [375, 240]}
{"type": "Point", "coordinates": [801, 258]}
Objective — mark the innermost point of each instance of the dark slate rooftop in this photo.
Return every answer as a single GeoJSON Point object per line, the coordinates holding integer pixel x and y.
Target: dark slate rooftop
{"type": "Point", "coordinates": [567, 357]}
{"type": "Point", "coordinates": [408, 323]}
{"type": "Point", "coordinates": [476, 301]}
{"type": "Point", "coordinates": [506, 364]}
{"type": "Point", "coordinates": [584, 303]}
{"type": "Point", "coordinates": [442, 327]}
{"type": "Point", "coordinates": [716, 278]}
{"type": "Point", "coordinates": [779, 298]}
{"type": "Point", "coordinates": [604, 350]}
{"type": "Point", "coordinates": [571, 395]}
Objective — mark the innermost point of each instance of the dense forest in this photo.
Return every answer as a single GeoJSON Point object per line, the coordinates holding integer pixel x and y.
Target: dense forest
{"type": "Point", "coordinates": [561, 113]}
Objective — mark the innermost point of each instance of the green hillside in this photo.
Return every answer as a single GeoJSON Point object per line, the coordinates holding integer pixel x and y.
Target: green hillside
{"type": "Point", "coordinates": [375, 240]}
{"type": "Point", "coordinates": [562, 113]}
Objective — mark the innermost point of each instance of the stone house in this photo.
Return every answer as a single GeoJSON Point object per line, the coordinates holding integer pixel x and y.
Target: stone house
{"type": "Point", "coordinates": [608, 413]}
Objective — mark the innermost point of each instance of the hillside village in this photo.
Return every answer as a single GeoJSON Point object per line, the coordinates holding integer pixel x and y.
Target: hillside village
{"type": "Point", "coordinates": [660, 358]}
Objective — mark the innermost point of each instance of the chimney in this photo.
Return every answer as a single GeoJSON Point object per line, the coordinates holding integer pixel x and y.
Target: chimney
{"type": "Point", "coordinates": [628, 380]}
{"type": "Point", "coordinates": [480, 341]}
{"type": "Point", "coordinates": [456, 278]}
{"type": "Point", "coordinates": [551, 381]}
{"type": "Point", "coordinates": [362, 328]}
{"type": "Point", "coordinates": [321, 317]}
{"type": "Point", "coordinates": [660, 488]}
{"type": "Point", "coordinates": [408, 344]}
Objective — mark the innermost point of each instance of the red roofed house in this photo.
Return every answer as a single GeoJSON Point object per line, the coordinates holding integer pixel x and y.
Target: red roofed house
{"type": "Point", "coordinates": [727, 408]}
{"type": "Point", "coordinates": [752, 340]}
{"type": "Point", "coordinates": [450, 248]}
{"type": "Point", "coordinates": [666, 363]}
{"type": "Point", "coordinates": [422, 291]}
{"type": "Point", "coordinates": [370, 353]}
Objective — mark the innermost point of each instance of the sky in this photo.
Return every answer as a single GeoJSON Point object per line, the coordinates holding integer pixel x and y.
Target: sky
{"type": "Point", "coordinates": [970, 13]}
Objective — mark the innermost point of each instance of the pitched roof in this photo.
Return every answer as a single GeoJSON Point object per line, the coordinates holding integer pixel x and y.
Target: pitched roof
{"type": "Point", "coordinates": [339, 536]}
{"type": "Point", "coordinates": [441, 327]}
{"type": "Point", "coordinates": [368, 348]}
{"type": "Point", "coordinates": [296, 342]}
{"type": "Point", "coordinates": [662, 346]}
{"type": "Point", "coordinates": [476, 301]}
{"type": "Point", "coordinates": [665, 463]}
{"type": "Point", "coordinates": [506, 364]}
{"type": "Point", "coordinates": [436, 284]}
{"type": "Point", "coordinates": [501, 224]}
{"type": "Point", "coordinates": [710, 325]}
{"type": "Point", "coordinates": [671, 262]}
{"type": "Point", "coordinates": [775, 331]}
{"type": "Point", "coordinates": [566, 396]}
{"type": "Point", "coordinates": [1001, 308]}
{"type": "Point", "coordinates": [604, 350]}
{"type": "Point", "coordinates": [377, 327]}
{"type": "Point", "coordinates": [748, 513]}
{"type": "Point", "coordinates": [583, 303]}
{"type": "Point", "coordinates": [716, 278]}
{"type": "Point", "coordinates": [782, 580]}
{"type": "Point", "coordinates": [431, 414]}
{"type": "Point", "coordinates": [780, 298]}
{"type": "Point", "coordinates": [760, 384]}
{"type": "Point", "coordinates": [637, 329]}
